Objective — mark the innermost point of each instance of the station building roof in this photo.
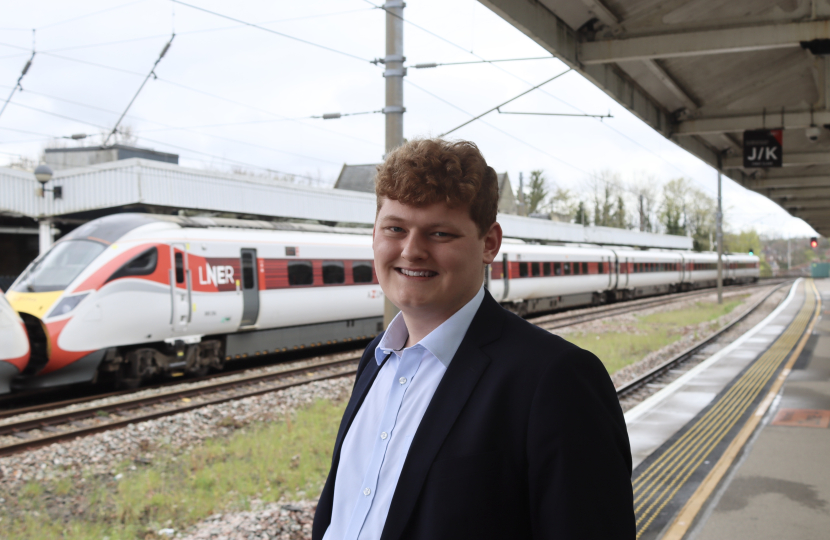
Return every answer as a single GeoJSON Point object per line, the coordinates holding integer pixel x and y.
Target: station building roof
{"type": "Point", "coordinates": [152, 186]}
{"type": "Point", "coordinates": [701, 72]}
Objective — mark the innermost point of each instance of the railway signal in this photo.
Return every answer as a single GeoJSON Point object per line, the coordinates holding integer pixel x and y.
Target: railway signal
{"type": "Point", "coordinates": [814, 242]}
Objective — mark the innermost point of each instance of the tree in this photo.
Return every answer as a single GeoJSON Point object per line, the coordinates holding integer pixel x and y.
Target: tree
{"type": "Point", "coordinates": [618, 218]}
{"type": "Point", "coordinates": [561, 203]}
{"type": "Point", "coordinates": [645, 199]}
{"type": "Point", "coordinates": [673, 209]}
{"type": "Point", "coordinates": [581, 215]}
{"type": "Point", "coordinates": [537, 198]}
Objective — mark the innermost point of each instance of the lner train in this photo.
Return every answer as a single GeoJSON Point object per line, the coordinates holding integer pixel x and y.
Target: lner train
{"type": "Point", "coordinates": [130, 296]}
{"type": "Point", "coordinates": [14, 345]}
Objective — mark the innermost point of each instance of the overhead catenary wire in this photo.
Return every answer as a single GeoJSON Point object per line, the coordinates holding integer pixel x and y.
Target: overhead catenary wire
{"type": "Point", "coordinates": [269, 30]}
{"type": "Point", "coordinates": [17, 84]}
{"type": "Point", "coordinates": [151, 74]}
{"type": "Point", "coordinates": [203, 31]}
{"type": "Point", "coordinates": [570, 115]}
{"type": "Point", "coordinates": [79, 17]}
{"type": "Point", "coordinates": [488, 111]}
{"type": "Point", "coordinates": [214, 96]}
{"type": "Point", "coordinates": [438, 64]}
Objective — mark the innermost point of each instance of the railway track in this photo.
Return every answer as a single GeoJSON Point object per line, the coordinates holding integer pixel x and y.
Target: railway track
{"type": "Point", "coordinates": [655, 375]}
{"type": "Point", "coordinates": [561, 320]}
{"type": "Point", "coordinates": [87, 420]}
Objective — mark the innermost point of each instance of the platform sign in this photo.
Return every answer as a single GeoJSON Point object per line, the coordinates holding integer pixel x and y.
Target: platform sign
{"type": "Point", "coordinates": [763, 148]}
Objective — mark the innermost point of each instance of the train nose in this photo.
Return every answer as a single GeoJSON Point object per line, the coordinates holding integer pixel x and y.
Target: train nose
{"type": "Point", "coordinates": [38, 344]}
{"type": "Point", "coordinates": [32, 308]}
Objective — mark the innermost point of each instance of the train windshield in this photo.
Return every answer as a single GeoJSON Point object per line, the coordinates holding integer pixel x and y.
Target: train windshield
{"type": "Point", "coordinates": [59, 267]}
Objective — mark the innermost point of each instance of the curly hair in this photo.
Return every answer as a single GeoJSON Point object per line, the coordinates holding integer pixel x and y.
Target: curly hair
{"type": "Point", "coordinates": [428, 171]}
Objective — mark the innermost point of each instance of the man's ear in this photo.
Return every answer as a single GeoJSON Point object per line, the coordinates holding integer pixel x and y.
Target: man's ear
{"type": "Point", "coordinates": [492, 243]}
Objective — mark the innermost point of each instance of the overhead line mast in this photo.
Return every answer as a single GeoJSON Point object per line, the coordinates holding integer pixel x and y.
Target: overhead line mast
{"type": "Point", "coordinates": [394, 109]}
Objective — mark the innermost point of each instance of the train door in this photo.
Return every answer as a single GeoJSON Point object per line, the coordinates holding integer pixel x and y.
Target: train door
{"type": "Point", "coordinates": [610, 270]}
{"type": "Point", "coordinates": [614, 281]}
{"type": "Point", "coordinates": [250, 287]}
{"type": "Point", "coordinates": [682, 268]}
{"type": "Point", "coordinates": [625, 269]}
{"type": "Point", "coordinates": [180, 287]}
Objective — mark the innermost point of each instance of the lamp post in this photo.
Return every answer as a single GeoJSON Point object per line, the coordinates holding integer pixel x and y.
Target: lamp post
{"type": "Point", "coordinates": [43, 174]}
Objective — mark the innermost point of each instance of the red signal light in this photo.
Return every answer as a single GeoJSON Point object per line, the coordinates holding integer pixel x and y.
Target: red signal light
{"type": "Point", "coordinates": [814, 242]}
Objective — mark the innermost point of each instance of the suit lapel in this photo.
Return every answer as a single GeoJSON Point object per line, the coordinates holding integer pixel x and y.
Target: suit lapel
{"type": "Point", "coordinates": [455, 388]}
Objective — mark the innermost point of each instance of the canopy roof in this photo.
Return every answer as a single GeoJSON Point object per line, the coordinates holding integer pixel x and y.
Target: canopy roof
{"type": "Point", "coordinates": [701, 72]}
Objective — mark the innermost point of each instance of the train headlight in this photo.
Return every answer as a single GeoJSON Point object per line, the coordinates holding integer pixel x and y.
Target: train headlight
{"type": "Point", "coordinates": [67, 304]}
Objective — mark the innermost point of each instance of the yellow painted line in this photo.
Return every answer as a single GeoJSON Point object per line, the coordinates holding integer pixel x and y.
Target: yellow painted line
{"type": "Point", "coordinates": [711, 424]}
{"type": "Point", "coordinates": [767, 365]}
{"type": "Point", "coordinates": [690, 510]}
{"type": "Point", "coordinates": [686, 455]}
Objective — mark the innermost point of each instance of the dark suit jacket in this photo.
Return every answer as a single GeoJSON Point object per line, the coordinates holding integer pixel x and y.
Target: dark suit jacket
{"type": "Point", "coordinates": [524, 438]}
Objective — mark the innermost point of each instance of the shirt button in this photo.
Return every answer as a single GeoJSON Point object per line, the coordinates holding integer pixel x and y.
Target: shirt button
{"type": "Point", "coordinates": [367, 491]}
{"type": "Point", "coordinates": [402, 380]}
{"type": "Point", "coordinates": [384, 435]}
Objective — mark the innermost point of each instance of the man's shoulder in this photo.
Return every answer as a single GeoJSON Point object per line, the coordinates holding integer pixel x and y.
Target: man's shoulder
{"type": "Point", "coordinates": [523, 345]}
{"type": "Point", "coordinates": [524, 335]}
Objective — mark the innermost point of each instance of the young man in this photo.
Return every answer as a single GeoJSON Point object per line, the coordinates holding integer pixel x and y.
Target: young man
{"type": "Point", "coordinates": [467, 422]}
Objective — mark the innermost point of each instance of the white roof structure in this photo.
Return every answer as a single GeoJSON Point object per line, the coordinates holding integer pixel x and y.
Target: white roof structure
{"type": "Point", "coordinates": [701, 72]}
{"type": "Point", "coordinates": [140, 184]}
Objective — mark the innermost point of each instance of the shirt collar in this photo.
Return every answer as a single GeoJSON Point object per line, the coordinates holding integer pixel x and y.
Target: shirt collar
{"type": "Point", "coordinates": [442, 342]}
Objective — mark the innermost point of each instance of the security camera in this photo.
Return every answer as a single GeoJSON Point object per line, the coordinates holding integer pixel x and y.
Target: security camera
{"type": "Point", "coordinates": [813, 133]}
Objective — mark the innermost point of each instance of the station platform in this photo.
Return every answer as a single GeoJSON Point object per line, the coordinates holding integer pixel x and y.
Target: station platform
{"type": "Point", "coordinates": [737, 446]}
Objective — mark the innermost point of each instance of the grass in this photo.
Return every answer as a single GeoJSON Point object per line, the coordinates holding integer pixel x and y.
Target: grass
{"type": "Point", "coordinates": [265, 462]}
{"type": "Point", "coordinates": [618, 349]}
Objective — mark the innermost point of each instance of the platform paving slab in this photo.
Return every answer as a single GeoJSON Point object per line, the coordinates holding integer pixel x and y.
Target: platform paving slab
{"type": "Point", "coordinates": [780, 486]}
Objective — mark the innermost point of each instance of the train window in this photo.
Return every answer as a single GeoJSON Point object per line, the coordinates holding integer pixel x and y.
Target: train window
{"type": "Point", "coordinates": [522, 269]}
{"type": "Point", "coordinates": [575, 268]}
{"type": "Point", "coordinates": [362, 271]}
{"type": "Point", "coordinates": [333, 272]}
{"type": "Point", "coordinates": [142, 264]}
{"type": "Point", "coordinates": [567, 266]}
{"type": "Point", "coordinates": [247, 270]}
{"type": "Point", "coordinates": [584, 268]}
{"type": "Point", "coordinates": [600, 268]}
{"type": "Point", "coordinates": [179, 267]}
{"type": "Point", "coordinates": [290, 251]}
{"type": "Point", "coordinates": [299, 272]}
{"type": "Point", "coordinates": [557, 269]}
{"type": "Point", "coordinates": [534, 267]}
{"type": "Point", "coordinates": [546, 268]}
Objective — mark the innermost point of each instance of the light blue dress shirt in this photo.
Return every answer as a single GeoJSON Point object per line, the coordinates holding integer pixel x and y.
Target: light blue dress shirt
{"type": "Point", "coordinates": [376, 445]}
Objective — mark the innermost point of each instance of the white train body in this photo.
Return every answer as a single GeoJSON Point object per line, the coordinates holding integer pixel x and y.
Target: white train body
{"type": "Point", "coordinates": [14, 344]}
{"type": "Point", "coordinates": [133, 295]}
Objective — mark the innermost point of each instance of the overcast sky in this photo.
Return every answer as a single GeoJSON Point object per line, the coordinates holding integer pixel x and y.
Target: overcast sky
{"type": "Point", "coordinates": [230, 95]}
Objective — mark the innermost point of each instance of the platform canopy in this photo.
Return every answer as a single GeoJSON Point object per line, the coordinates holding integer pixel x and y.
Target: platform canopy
{"type": "Point", "coordinates": [702, 72]}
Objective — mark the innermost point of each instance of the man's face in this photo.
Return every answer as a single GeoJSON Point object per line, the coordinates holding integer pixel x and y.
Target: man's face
{"type": "Point", "coordinates": [430, 260]}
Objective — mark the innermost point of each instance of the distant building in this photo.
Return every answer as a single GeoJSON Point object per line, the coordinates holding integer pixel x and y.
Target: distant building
{"type": "Point", "coordinates": [357, 178]}
{"type": "Point", "coordinates": [70, 158]}
{"type": "Point", "coordinates": [507, 200]}
{"type": "Point", "coordinates": [362, 178]}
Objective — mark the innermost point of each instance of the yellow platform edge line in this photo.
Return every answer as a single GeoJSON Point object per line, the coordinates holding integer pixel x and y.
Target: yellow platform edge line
{"type": "Point", "coordinates": [686, 516]}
